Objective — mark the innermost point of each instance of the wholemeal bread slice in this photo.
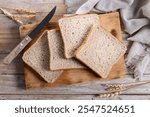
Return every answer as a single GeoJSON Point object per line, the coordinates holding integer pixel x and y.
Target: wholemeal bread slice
{"type": "Point", "coordinates": [37, 57]}
{"type": "Point", "coordinates": [57, 59]}
{"type": "Point", "coordinates": [100, 51]}
{"type": "Point", "coordinates": [74, 29]}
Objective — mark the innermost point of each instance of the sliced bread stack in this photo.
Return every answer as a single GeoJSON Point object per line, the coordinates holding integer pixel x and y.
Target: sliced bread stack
{"type": "Point", "coordinates": [85, 40]}
{"type": "Point", "coordinates": [80, 43]}
{"type": "Point", "coordinates": [46, 56]}
{"type": "Point", "coordinates": [37, 57]}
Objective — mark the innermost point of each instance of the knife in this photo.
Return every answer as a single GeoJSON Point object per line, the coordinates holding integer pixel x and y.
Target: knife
{"type": "Point", "coordinates": [9, 58]}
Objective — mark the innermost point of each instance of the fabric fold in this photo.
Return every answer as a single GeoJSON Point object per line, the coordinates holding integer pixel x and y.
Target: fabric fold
{"type": "Point", "coordinates": [142, 36]}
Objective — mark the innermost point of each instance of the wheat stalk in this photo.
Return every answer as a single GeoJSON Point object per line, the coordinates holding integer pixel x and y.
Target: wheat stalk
{"type": "Point", "coordinates": [25, 10]}
{"type": "Point", "coordinates": [11, 16]}
{"type": "Point", "coordinates": [109, 95]}
{"type": "Point", "coordinates": [117, 89]}
{"type": "Point", "coordinates": [24, 16]}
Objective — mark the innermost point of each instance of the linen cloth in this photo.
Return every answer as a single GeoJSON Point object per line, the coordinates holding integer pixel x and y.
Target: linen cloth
{"type": "Point", "coordinates": [135, 15]}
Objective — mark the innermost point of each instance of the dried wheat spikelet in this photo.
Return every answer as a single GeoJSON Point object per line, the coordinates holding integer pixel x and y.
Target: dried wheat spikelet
{"type": "Point", "coordinates": [124, 86]}
{"type": "Point", "coordinates": [24, 16]}
{"type": "Point", "coordinates": [108, 95]}
{"type": "Point", "coordinates": [25, 10]}
{"type": "Point", "coordinates": [11, 16]}
{"type": "Point", "coordinates": [115, 87]}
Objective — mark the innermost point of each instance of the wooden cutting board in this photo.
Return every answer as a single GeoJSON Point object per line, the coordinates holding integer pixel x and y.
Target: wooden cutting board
{"type": "Point", "coordinates": [108, 21]}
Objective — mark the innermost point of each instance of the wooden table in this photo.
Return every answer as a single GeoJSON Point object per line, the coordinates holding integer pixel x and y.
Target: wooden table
{"type": "Point", "coordinates": [12, 85]}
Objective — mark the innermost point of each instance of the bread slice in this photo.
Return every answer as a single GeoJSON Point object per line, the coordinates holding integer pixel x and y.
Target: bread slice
{"type": "Point", "coordinates": [74, 29]}
{"type": "Point", "coordinates": [100, 51]}
{"type": "Point", "coordinates": [57, 59]}
{"type": "Point", "coordinates": [37, 57]}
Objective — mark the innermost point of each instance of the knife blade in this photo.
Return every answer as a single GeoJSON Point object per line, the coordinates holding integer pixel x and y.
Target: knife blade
{"type": "Point", "coordinates": [10, 57]}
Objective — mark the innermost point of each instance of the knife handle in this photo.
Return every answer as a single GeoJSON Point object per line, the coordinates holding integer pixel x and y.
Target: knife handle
{"type": "Point", "coordinates": [9, 58]}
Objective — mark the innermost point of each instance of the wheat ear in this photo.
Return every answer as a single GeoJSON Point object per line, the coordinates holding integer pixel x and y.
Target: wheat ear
{"type": "Point", "coordinates": [25, 10]}
{"type": "Point", "coordinates": [117, 89]}
{"type": "Point", "coordinates": [11, 16]}
{"type": "Point", "coordinates": [24, 16]}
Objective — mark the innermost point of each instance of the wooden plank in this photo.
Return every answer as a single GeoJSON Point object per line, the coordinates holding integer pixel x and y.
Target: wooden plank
{"type": "Point", "coordinates": [46, 7]}
{"type": "Point", "coordinates": [9, 33]}
{"type": "Point", "coordinates": [20, 2]}
{"type": "Point", "coordinates": [71, 97]}
{"type": "Point", "coordinates": [16, 67]}
{"type": "Point", "coordinates": [6, 45]}
{"type": "Point", "coordinates": [5, 37]}
{"type": "Point", "coordinates": [5, 48]}
{"type": "Point", "coordinates": [127, 97]}
{"type": "Point", "coordinates": [45, 97]}
{"type": "Point", "coordinates": [8, 26]}
{"type": "Point", "coordinates": [14, 84]}
{"type": "Point", "coordinates": [9, 30]}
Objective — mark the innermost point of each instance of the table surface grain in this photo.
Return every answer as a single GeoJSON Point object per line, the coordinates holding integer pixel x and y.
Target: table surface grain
{"type": "Point", "coordinates": [12, 84]}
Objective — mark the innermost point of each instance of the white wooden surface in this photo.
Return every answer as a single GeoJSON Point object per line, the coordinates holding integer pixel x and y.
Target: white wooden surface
{"type": "Point", "coordinates": [12, 85]}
